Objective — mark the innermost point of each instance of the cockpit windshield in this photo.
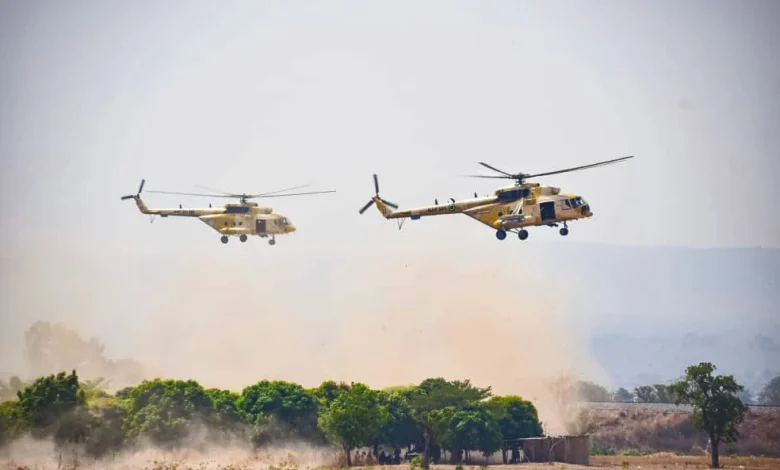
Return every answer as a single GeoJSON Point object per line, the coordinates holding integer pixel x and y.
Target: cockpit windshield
{"type": "Point", "coordinates": [576, 202]}
{"type": "Point", "coordinates": [283, 221]}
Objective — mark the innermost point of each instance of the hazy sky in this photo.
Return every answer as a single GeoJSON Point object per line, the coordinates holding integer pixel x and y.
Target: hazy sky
{"type": "Point", "coordinates": [257, 96]}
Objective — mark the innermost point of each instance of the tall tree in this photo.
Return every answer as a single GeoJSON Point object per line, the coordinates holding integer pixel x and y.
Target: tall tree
{"type": "Point", "coordinates": [645, 394]}
{"type": "Point", "coordinates": [165, 411]}
{"type": "Point", "coordinates": [353, 419]}
{"type": "Point", "coordinates": [717, 410]}
{"type": "Point", "coordinates": [280, 409]}
{"type": "Point", "coordinates": [49, 398]}
{"type": "Point", "coordinates": [436, 394]}
{"type": "Point", "coordinates": [517, 418]}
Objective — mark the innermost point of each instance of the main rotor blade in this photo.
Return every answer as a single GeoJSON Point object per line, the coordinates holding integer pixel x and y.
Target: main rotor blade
{"type": "Point", "coordinates": [215, 190]}
{"type": "Point", "coordinates": [366, 206]}
{"type": "Point", "coordinates": [376, 184]}
{"type": "Point", "coordinates": [494, 169]}
{"type": "Point", "coordinates": [196, 194]}
{"type": "Point", "coordinates": [141, 188]}
{"type": "Point", "coordinates": [293, 194]}
{"type": "Point", "coordinates": [583, 167]}
{"type": "Point", "coordinates": [281, 190]}
{"type": "Point", "coordinates": [129, 196]}
{"type": "Point", "coordinates": [492, 177]}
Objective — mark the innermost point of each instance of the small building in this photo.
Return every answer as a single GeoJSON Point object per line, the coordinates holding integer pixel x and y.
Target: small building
{"type": "Point", "coordinates": [566, 449]}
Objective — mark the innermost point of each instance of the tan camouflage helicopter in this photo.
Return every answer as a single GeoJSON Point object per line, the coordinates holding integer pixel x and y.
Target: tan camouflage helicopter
{"type": "Point", "coordinates": [508, 209]}
{"type": "Point", "coordinates": [233, 219]}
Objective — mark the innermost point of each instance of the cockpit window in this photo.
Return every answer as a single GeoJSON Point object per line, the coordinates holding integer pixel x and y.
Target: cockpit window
{"type": "Point", "coordinates": [576, 202]}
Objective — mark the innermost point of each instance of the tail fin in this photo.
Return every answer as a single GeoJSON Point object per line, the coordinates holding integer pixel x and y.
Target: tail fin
{"type": "Point", "coordinates": [382, 205]}
{"type": "Point", "coordinates": [137, 197]}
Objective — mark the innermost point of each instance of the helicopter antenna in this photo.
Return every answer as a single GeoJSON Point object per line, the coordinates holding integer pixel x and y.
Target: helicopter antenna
{"type": "Point", "coordinates": [521, 177]}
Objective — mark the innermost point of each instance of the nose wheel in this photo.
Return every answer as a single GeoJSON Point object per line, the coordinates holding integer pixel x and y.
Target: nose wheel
{"type": "Point", "coordinates": [242, 238]}
{"type": "Point", "coordinates": [564, 231]}
{"type": "Point", "coordinates": [224, 239]}
{"type": "Point", "coordinates": [272, 241]}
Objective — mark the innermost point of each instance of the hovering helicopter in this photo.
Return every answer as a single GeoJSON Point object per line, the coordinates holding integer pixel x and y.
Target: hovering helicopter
{"type": "Point", "coordinates": [233, 219]}
{"type": "Point", "coordinates": [508, 209]}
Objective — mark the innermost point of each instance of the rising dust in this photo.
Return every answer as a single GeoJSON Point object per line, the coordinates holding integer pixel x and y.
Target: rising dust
{"type": "Point", "coordinates": [379, 317]}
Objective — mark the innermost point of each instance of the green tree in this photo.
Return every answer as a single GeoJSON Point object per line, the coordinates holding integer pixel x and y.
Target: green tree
{"type": "Point", "coordinates": [662, 394]}
{"type": "Point", "coordinates": [48, 399]}
{"type": "Point", "coordinates": [10, 421]}
{"type": "Point", "coordinates": [645, 394]}
{"type": "Point", "coordinates": [436, 394]}
{"type": "Point", "coordinates": [280, 410]}
{"type": "Point", "coordinates": [399, 429]}
{"type": "Point", "coordinates": [353, 419]}
{"type": "Point", "coordinates": [474, 427]}
{"type": "Point", "coordinates": [622, 395]}
{"type": "Point", "coordinates": [717, 410]}
{"type": "Point", "coordinates": [105, 435]}
{"type": "Point", "coordinates": [770, 393]}
{"type": "Point", "coordinates": [230, 419]}
{"type": "Point", "coordinates": [166, 411]}
{"type": "Point", "coordinates": [517, 418]}
{"type": "Point", "coordinates": [328, 391]}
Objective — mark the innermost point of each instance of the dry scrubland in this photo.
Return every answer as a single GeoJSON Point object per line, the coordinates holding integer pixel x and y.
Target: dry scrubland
{"type": "Point", "coordinates": [647, 430]}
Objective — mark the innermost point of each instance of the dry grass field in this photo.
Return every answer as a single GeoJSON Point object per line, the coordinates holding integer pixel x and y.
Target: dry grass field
{"type": "Point", "coordinates": [648, 430]}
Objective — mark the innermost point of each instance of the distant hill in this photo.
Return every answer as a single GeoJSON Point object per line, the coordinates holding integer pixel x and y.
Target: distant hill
{"type": "Point", "coordinates": [653, 311]}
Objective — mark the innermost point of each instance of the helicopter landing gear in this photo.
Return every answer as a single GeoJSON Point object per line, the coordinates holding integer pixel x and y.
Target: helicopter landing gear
{"type": "Point", "coordinates": [224, 239]}
{"type": "Point", "coordinates": [500, 234]}
{"type": "Point", "coordinates": [242, 238]}
{"type": "Point", "coordinates": [522, 234]}
{"type": "Point", "coordinates": [272, 241]}
{"type": "Point", "coordinates": [564, 231]}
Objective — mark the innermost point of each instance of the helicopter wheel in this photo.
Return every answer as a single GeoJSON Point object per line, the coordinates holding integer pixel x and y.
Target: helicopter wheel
{"type": "Point", "coordinates": [242, 238]}
{"type": "Point", "coordinates": [272, 242]}
{"type": "Point", "coordinates": [224, 239]}
{"type": "Point", "coordinates": [564, 231]}
{"type": "Point", "coordinates": [500, 234]}
{"type": "Point", "coordinates": [523, 234]}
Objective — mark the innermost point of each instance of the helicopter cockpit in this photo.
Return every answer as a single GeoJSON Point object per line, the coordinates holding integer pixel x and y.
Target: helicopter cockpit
{"type": "Point", "coordinates": [575, 202]}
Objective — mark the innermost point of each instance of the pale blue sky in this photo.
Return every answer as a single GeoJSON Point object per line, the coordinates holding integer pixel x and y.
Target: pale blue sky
{"type": "Point", "coordinates": [257, 96]}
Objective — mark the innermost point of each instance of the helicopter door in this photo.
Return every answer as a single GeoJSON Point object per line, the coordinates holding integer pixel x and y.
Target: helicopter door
{"type": "Point", "coordinates": [260, 226]}
{"type": "Point", "coordinates": [547, 210]}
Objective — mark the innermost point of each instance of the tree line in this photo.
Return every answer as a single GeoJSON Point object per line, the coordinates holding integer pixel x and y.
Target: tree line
{"type": "Point", "coordinates": [769, 395]}
{"type": "Point", "coordinates": [426, 418]}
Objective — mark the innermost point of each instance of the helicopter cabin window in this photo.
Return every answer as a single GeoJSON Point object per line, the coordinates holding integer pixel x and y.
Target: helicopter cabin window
{"type": "Point", "coordinates": [567, 203]}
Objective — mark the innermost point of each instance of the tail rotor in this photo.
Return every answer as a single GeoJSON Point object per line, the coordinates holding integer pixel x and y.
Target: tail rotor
{"type": "Point", "coordinates": [376, 196]}
{"type": "Point", "coordinates": [132, 196]}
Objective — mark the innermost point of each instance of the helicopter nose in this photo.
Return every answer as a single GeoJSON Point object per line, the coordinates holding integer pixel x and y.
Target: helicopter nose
{"type": "Point", "coordinates": [586, 210]}
{"type": "Point", "coordinates": [291, 228]}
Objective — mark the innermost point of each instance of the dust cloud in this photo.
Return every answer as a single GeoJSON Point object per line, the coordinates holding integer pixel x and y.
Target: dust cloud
{"type": "Point", "coordinates": [383, 318]}
{"type": "Point", "coordinates": [28, 453]}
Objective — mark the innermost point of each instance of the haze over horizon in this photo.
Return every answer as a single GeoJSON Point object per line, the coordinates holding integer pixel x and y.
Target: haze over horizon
{"type": "Point", "coordinates": [258, 96]}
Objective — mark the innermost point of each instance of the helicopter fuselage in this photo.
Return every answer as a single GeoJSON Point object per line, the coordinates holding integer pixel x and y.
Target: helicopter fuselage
{"type": "Point", "coordinates": [507, 209]}
{"type": "Point", "coordinates": [231, 219]}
